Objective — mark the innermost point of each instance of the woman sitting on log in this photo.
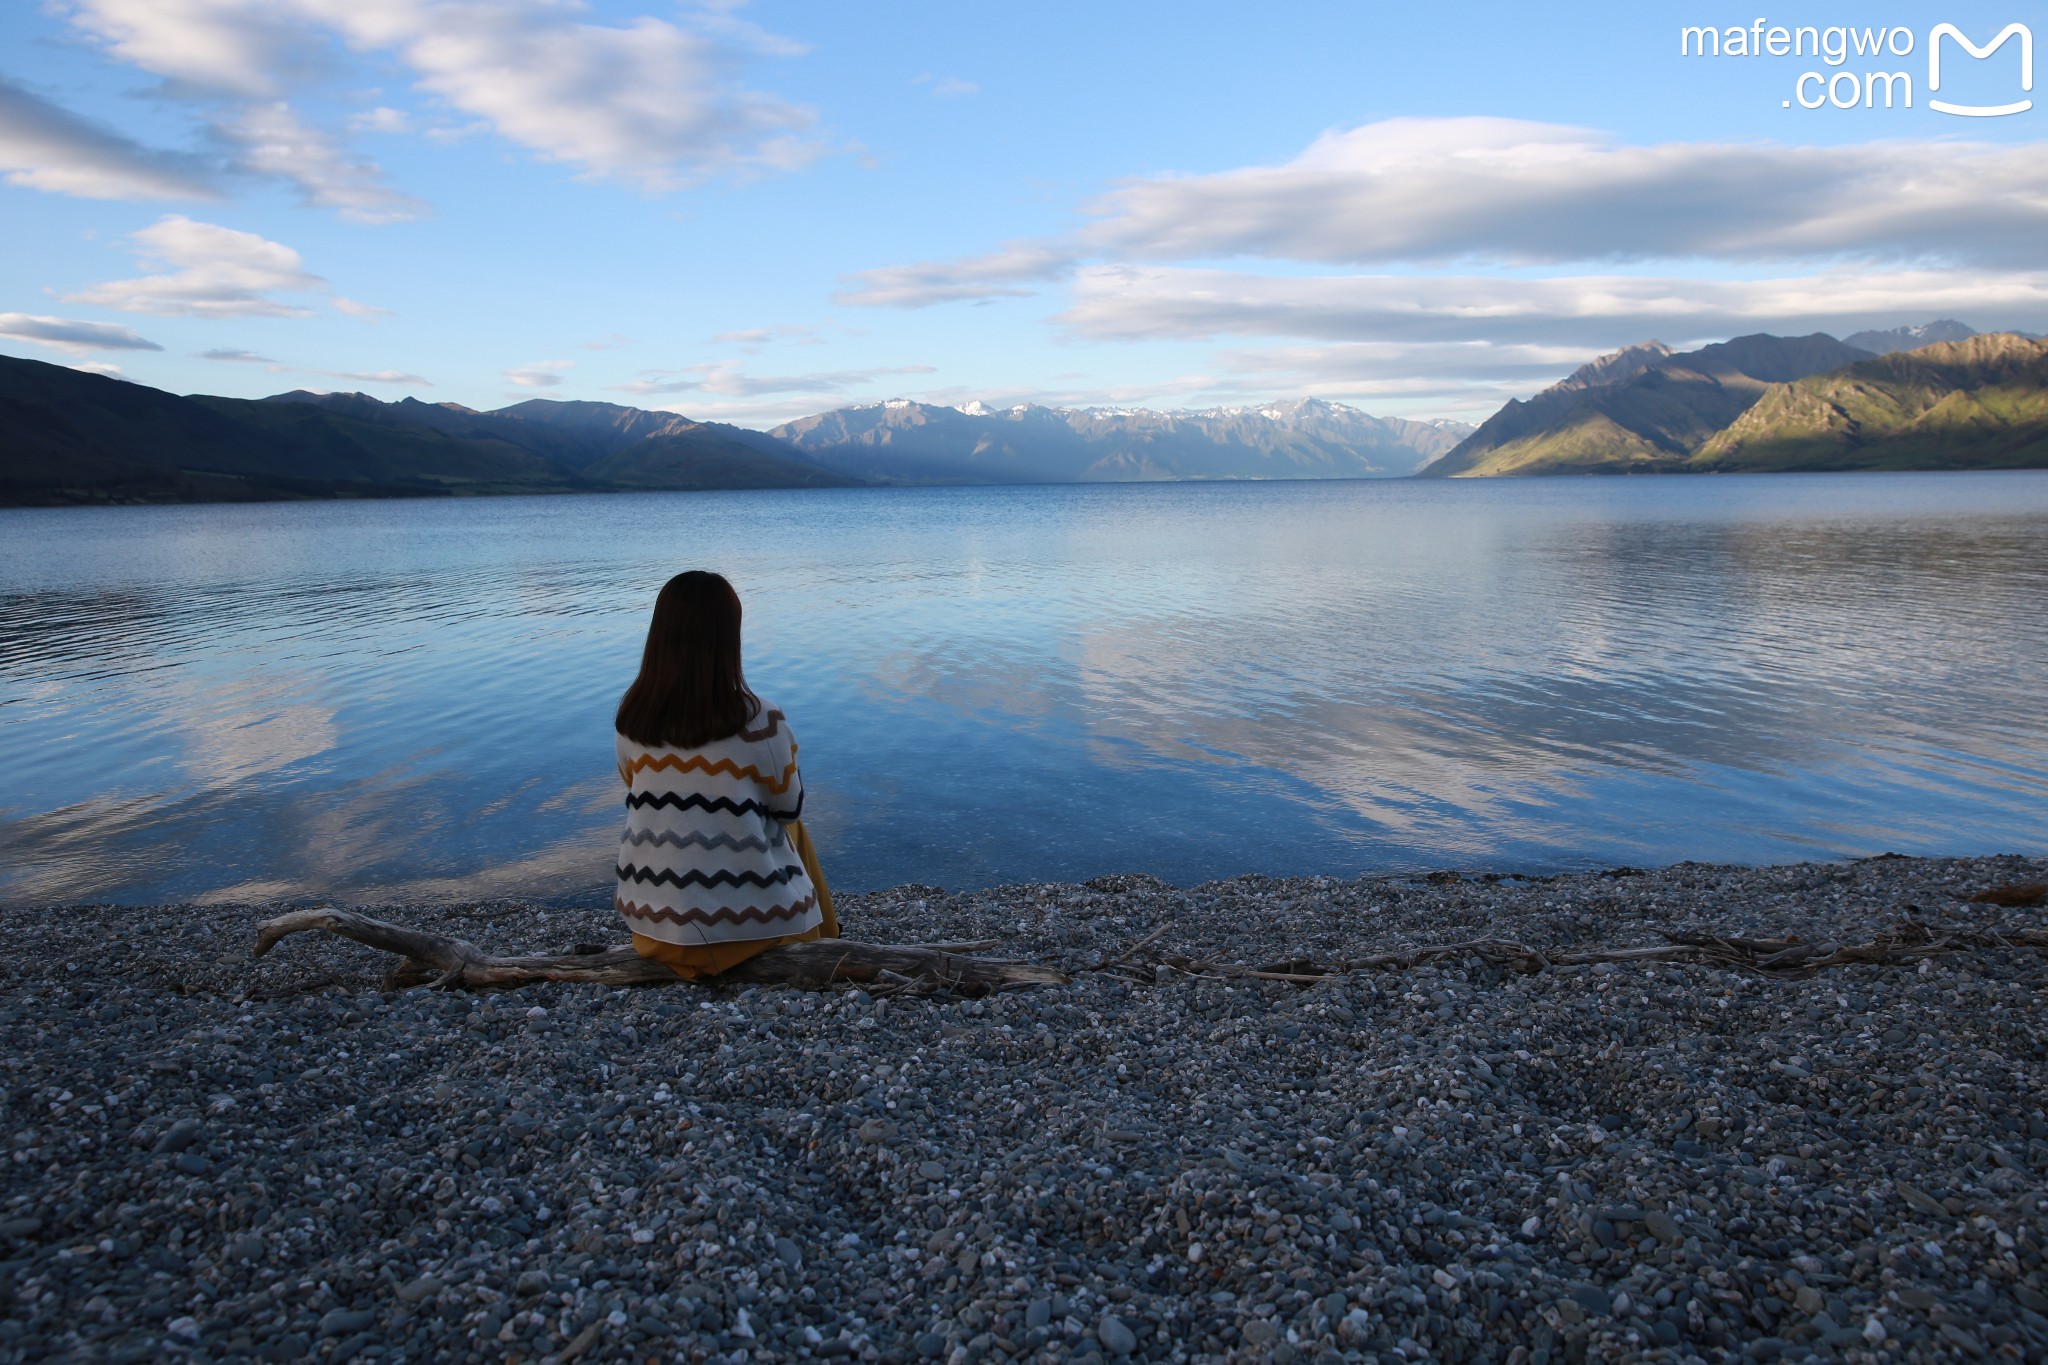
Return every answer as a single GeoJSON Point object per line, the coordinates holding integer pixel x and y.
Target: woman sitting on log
{"type": "Point", "coordinates": [715, 865]}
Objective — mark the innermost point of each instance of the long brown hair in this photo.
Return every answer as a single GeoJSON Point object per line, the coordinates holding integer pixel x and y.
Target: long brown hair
{"type": "Point", "coordinates": [690, 691]}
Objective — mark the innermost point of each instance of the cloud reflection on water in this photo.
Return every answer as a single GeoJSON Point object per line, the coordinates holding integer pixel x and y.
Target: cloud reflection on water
{"type": "Point", "coordinates": [1004, 684]}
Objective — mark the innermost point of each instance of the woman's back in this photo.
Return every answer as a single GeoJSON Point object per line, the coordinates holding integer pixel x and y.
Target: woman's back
{"type": "Point", "coordinates": [706, 858]}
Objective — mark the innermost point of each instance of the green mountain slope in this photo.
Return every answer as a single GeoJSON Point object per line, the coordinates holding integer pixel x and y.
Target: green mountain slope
{"type": "Point", "coordinates": [1645, 409]}
{"type": "Point", "coordinates": [1981, 403]}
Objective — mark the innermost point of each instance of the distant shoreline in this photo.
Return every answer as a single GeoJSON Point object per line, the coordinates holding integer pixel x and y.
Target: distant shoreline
{"type": "Point", "coordinates": [1757, 403]}
{"type": "Point", "coordinates": [445, 495]}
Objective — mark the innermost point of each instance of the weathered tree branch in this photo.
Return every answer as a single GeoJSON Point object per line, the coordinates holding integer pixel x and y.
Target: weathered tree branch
{"type": "Point", "coordinates": [1778, 956]}
{"type": "Point", "coordinates": [440, 961]}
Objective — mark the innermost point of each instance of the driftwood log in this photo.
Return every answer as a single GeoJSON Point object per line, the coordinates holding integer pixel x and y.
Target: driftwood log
{"type": "Point", "coordinates": [440, 961]}
{"type": "Point", "coordinates": [1770, 956]}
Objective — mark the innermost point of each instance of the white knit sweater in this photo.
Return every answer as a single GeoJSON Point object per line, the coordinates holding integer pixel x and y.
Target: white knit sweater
{"type": "Point", "coordinates": [705, 858]}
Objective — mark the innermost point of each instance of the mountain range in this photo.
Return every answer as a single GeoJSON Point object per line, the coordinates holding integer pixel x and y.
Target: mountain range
{"type": "Point", "coordinates": [67, 437]}
{"type": "Point", "coordinates": [1641, 409]}
{"type": "Point", "coordinates": [1979, 403]}
{"type": "Point", "coordinates": [1308, 438]}
{"type": "Point", "coordinates": [1933, 396]}
{"type": "Point", "coordinates": [1910, 338]}
{"type": "Point", "coordinates": [1762, 403]}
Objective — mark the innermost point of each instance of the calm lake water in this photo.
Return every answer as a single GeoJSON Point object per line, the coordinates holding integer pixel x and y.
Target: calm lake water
{"type": "Point", "coordinates": [404, 699]}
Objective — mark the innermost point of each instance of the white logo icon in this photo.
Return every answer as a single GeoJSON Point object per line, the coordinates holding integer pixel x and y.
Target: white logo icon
{"type": "Point", "coordinates": [2026, 37]}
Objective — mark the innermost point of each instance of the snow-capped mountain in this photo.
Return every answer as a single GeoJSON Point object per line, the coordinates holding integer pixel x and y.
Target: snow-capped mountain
{"type": "Point", "coordinates": [1887, 340]}
{"type": "Point", "coordinates": [1305, 438]}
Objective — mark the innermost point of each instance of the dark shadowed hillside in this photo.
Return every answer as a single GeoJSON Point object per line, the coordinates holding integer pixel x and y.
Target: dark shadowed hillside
{"type": "Point", "coordinates": [69, 437]}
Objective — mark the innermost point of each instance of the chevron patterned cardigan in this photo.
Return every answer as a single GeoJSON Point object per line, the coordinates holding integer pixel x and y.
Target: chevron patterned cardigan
{"type": "Point", "coordinates": [705, 858]}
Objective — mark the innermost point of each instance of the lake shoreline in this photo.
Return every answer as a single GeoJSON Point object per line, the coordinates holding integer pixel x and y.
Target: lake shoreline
{"type": "Point", "coordinates": [213, 1157]}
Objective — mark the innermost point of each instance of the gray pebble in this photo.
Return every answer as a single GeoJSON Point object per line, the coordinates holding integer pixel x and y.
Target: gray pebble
{"type": "Point", "coordinates": [1206, 1165]}
{"type": "Point", "coordinates": [1116, 1338]}
{"type": "Point", "coordinates": [345, 1321]}
{"type": "Point", "coordinates": [180, 1135]}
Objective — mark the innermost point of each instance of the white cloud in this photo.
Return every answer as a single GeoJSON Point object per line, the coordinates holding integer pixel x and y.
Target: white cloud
{"type": "Point", "coordinates": [44, 146]}
{"type": "Point", "coordinates": [1439, 190]}
{"type": "Point", "coordinates": [271, 139]}
{"type": "Point", "coordinates": [100, 367]}
{"type": "Point", "coordinates": [209, 271]}
{"type": "Point", "coordinates": [358, 310]}
{"type": "Point", "coordinates": [974, 279]}
{"type": "Point", "coordinates": [1153, 302]}
{"type": "Point", "coordinates": [727, 379]}
{"type": "Point", "coordinates": [1497, 254]}
{"type": "Point", "coordinates": [237, 356]}
{"type": "Point", "coordinates": [1420, 379]}
{"type": "Point", "coordinates": [648, 102]}
{"type": "Point", "coordinates": [753, 338]}
{"type": "Point", "coordinates": [540, 374]}
{"type": "Point", "coordinates": [381, 120]}
{"type": "Point", "coordinates": [1343, 364]}
{"type": "Point", "coordinates": [235, 47]}
{"type": "Point", "coordinates": [71, 336]}
{"type": "Point", "coordinates": [949, 87]}
{"type": "Point", "coordinates": [1509, 193]}
{"type": "Point", "coordinates": [400, 378]}
{"type": "Point", "coordinates": [642, 103]}
{"type": "Point", "coordinates": [1456, 378]}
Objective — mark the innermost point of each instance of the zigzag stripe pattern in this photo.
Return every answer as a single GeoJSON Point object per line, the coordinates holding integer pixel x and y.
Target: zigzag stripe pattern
{"type": "Point", "coordinates": [661, 876]}
{"type": "Point", "coordinates": [704, 857]}
{"type": "Point", "coordinates": [697, 763]}
{"type": "Point", "coordinates": [693, 801]}
{"type": "Point", "coordinates": [772, 914]}
{"type": "Point", "coordinates": [669, 839]}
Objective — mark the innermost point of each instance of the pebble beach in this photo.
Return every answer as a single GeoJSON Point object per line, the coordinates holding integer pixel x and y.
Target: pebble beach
{"type": "Point", "coordinates": [211, 1157]}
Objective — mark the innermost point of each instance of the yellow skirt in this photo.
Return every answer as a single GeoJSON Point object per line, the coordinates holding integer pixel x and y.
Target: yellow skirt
{"type": "Point", "coordinates": [692, 960]}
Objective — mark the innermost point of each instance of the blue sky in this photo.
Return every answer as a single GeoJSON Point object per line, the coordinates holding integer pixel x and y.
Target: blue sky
{"type": "Point", "coordinates": [751, 213]}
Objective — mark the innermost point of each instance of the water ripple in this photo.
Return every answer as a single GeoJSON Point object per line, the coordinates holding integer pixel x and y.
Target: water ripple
{"type": "Point", "coordinates": [1010, 684]}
